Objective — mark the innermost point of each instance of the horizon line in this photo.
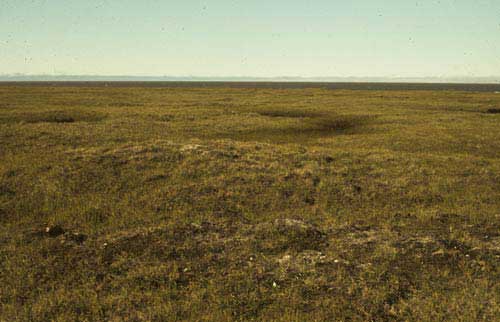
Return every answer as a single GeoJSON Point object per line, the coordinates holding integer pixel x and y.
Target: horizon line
{"type": "Point", "coordinates": [88, 77]}
{"type": "Point", "coordinates": [233, 76]}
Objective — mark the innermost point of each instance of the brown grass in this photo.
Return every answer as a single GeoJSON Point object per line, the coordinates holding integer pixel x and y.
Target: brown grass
{"type": "Point", "coordinates": [265, 204]}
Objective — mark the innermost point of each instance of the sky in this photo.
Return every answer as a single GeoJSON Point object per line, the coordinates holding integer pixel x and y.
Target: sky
{"type": "Point", "coordinates": [258, 38]}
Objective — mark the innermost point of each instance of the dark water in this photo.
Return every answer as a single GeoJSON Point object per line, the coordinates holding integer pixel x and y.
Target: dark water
{"type": "Point", "coordinates": [273, 85]}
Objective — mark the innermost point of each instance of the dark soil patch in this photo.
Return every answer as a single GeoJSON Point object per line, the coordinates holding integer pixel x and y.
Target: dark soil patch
{"type": "Point", "coordinates": [340, 123]}
{"type": "Point", "coordinates": [305, 130]}
{"type": "Point", "coordinates": [54, 231]}
{"type": "Point", "coordinates": [53, 117]}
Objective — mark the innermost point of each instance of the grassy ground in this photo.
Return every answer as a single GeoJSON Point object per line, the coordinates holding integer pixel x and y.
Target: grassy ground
{"type": "Point", "coordinates": [248, 204]}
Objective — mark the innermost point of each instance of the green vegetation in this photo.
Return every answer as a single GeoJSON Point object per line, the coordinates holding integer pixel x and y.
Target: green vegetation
{"type": "Point", "coordinates": [248, 204]}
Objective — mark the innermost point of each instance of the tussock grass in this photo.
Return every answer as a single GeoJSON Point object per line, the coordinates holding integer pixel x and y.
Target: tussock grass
{"type": "Point", "coordinates": [228, 204]}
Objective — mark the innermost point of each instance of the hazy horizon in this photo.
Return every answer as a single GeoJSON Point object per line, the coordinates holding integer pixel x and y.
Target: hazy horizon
{"type": "Point", "coordinates": [194, 78]}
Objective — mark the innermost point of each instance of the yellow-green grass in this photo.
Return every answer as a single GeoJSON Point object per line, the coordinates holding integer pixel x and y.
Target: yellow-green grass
{"type": "Point", "coordinates": [249, 204]}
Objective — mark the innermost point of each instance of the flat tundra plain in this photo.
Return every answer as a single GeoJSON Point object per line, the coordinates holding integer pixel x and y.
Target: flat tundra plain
{"type": "Point", "coordinates": [248, 203]}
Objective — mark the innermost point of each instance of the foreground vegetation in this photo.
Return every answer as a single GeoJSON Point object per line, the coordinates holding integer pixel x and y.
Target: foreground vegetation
{"type": "Point", "coordinates": [248, 204]}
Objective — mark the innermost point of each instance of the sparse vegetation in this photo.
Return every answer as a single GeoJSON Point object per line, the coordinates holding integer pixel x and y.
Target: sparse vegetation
{"type": "Point", "coordinates": [261, 204]}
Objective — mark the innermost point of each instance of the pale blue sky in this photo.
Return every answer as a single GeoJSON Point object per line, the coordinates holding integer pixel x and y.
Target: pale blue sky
{"type": "Point", "coordinates": [251, 38]}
